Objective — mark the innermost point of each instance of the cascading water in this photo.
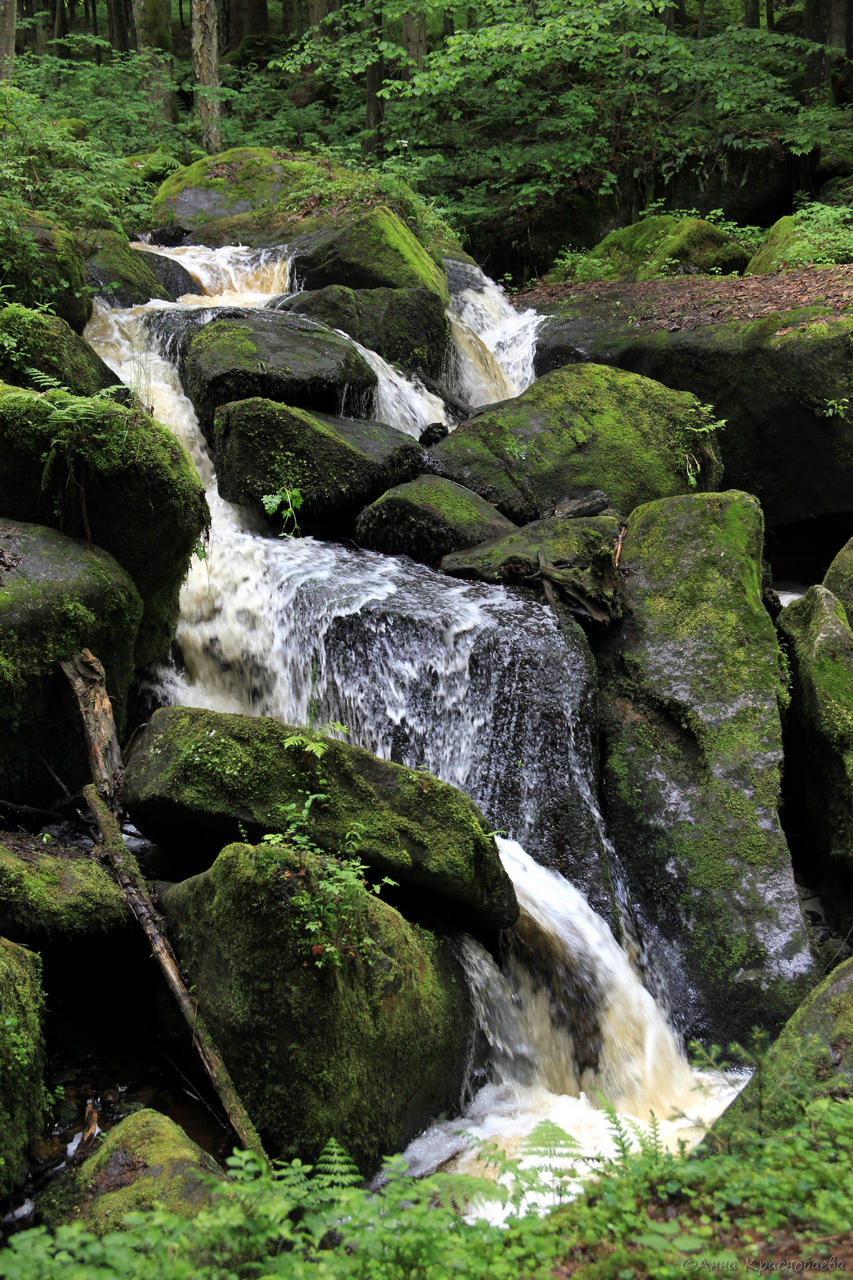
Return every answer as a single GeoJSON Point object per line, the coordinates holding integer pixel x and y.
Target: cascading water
{"type": "Point", "coordinates": [476, 684]}
{"type": "Point", "coordinates": [494, 344]}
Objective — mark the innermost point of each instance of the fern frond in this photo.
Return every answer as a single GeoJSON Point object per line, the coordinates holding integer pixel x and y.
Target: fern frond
{"type": "Point", "coordinates": [335, 1167]}
{"type": "Point", "coordinates": [548, 1141]}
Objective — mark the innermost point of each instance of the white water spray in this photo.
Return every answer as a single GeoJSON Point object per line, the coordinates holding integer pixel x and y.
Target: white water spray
{"type": "Point", "coordinates": [494, 343]}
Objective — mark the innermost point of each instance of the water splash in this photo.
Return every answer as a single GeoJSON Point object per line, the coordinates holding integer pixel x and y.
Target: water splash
{"type": "Point", "coordinates": [233, 276]}
{"type": "Point", "coordinates": [494, 344]}
{"type": "Point", "coordinates": [400, 401]}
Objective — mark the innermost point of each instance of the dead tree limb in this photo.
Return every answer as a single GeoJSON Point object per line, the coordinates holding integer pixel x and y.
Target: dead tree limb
{"type": "Point", "coordinates": [87, 680]}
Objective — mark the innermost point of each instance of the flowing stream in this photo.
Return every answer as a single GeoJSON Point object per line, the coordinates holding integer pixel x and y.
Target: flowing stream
{"type": "Point", "coordinates": [476, 684]}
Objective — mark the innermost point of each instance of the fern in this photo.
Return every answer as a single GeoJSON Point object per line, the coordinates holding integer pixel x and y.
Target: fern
{"type": "Point", "coordinates": [549, 1142]}
{"type": "Point", "coordinates": [335, 1167]}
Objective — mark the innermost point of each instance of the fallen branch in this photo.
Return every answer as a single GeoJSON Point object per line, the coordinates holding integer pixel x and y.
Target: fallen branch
{"type": "Point", "coordinates": [87, 680]}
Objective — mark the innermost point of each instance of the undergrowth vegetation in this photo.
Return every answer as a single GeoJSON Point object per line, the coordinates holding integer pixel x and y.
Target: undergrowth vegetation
{"type": "Point", "coordinates": [649, 1212]}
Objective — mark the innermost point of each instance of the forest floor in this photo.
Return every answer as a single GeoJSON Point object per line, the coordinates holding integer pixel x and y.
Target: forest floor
{"type": "Point", "coordinates": [686, 302]}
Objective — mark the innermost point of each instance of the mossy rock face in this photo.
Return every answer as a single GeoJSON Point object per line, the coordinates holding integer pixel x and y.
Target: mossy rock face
{"type": "Point", "coordinates": [153, 166]}
{"type": "Point", "coordinates": [781, 383]}
{"type": "Point", "coordinates": [408, 327]}
{"type": "Point", "coordinates": [199, 779]}
{"type": "Point", "coordinates": [577, 557]}
{"type": "Point", "coordinates": [263, 197]}
{"type": "Point", "coordinates": [48, 894]}
{"type": "Point", "coordinates": [692, 766]}
{"type": "Point", "coordinates": [374, 251]}
{"type": "Point", "coordinates": [811, 1059]}
{"type": "Point", "coordinates": [144, 502]}
{"type": "Point", "coordinates": [21, 1060]}
{"type": "Point", "coordinates": [41, 264]}
{"type": "Point", "coordinates": [790, 244]}
{"type": "Point", "coordinates": [145, 1161]}
{"type": "Point", "coordinates": [173, 277]}
{"type": "Point", "coordinates": [839, 578]}
{"type": "Point", "coordinates": [368, 1051]}
{"type": "Point", "coordinates": [120, 274]}
{"type": "Point", "coordinates": [336, 464]}
{"type": "Point", "coordinates": [578, 430]}
{"type": "Point", "coordinates": [819, 759]}
{"type": "Point", "coordinates": [59, 597]}
{"type": "Point", "coordinates": [32, 342]}
{"type": "Point", "coordinates": [665, 245]}
{"type": "Point", "coordinates": [279, 357]}
{"type": "Point", "coordinates": [428, 518]}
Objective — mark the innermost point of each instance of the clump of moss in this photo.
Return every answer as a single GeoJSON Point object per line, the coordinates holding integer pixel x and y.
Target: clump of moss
{"type": "Point", "coordinates": [21, 1060]}
{"type": "Point", "coordinates": [40, 263]}
{"type": "Point", "coordinates": [33, 343]}
{"type": "Point", "coordinates": [660, 245]}
{"type": "Point", "coordinates": [45, 895]}
{"type": "Point", "coordinates": [374, 251]}
{"type": "Point", "coordinates": [428, 518]}
{"type": "Point", "coordinates": [118, 272]}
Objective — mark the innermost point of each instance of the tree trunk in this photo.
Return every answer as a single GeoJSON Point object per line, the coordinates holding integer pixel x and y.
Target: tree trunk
{"type": "Point", "coordinates": [415, 38]}
{"type": "Point", "coordinates": [374, 77]}
{"type": "Point", "coordinates": [752, 13]}
{"type": "Point", "coordinates": [770, 15]}
{"type": "Point", "coordinates": [8, 14]}
{"type": "Point", "coordinates": [86, 677]}
{"type": "Point", "coordinates": [119, 28]}
{"type": "Point", "coordinates": [258, 18]}
{"type": "Point", "coordinates": [205, 58]}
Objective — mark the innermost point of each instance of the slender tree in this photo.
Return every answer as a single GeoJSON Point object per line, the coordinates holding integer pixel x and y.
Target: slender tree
{"type": "Point", "coordinates": [8, 14]}
{"type": "Point", "coordinates": [205, 58]}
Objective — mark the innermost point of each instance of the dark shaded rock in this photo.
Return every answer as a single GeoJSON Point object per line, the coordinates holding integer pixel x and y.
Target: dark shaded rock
{"type": "Point", "coordinates": [40, 264]}
{"type": "Point", "coordinates": [173, 277]}
{"type": "Point", "coordinates": [576, 557]}
{"type": "Point", "coordinates": [58, 597]}
{"type": "Point", "coordinates": [579, 430]}
{"type": "Point", "coordinates": [120, 274]}
{"type": "Point", "coordinates": [427, 518]}
{"type": "Point", "coordinates": [50, 893]}
{"type": "Point", "coordinates": [277, 356]}
{"type": "Point", "coordinates": [21, 1061]}
{"type": "Point", "coordinates": [199, 778]}
{"type": "Point", "coordinates": [33, 342]}
{"type": "Point", "coordinates": [407, 327]}
{"type": "Point", "coordinates": [692, 767]}
{"type": "Point", "coordinates": [367, 1051]}
{"type": "Point", "coordinates": [336, 464]}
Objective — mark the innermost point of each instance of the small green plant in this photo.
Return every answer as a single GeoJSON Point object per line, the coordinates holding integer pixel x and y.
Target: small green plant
{"type": "Point", "coordinates": [835, 408]}
{"type": "Point", "coordinates": [285, 503]}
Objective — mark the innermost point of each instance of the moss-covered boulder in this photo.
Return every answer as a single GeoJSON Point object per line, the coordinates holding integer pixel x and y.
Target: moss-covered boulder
{"type": "Point", "coordinates": [145, 1161]}
{"type": "Point", "coordinates": [21, 1061]}
{"type": "Point", "coordinates": [819, 756]}
{"type": "Point", "coordinates": [662, 245]}
{"type": "Point", "coordinates": [692, 766]}
{"type": "Point", "coordinates": [120, 274]}
{"type": "Point", "coordinates": [576, 557]}
{"type": "Point", "coordinates": [52, 893]}
{"type": "Point", "coordinates": [839, 578]}
{"type": "Point", "coordinates": [172, 275]}
{"type": "Point", "coordinates": [57, 596]}
{"type": "Point", "coordinates": [367, 1050]}
{"type": "Point", "coordinates": [428, 518]}
{"type": "Point", "coordinates": [577, 430]}
{"type": "Point", "coordinates": [263, 197]}
{"type": "Point", "coordinates": [33, 343]}
{"type": "Point", "coordinates": [408, 327]}
{"type": "Point", "coordinates": [811, 1059]}
{"type": "Point", "coordinates": [801, 239]}
{"type": "Point", "coordinates": [199, 779]}
{"type": "Point", "coordinates": [277, 356]}
{"type": "Point", "coordinates": [337, 464]}
{"type": "Point", "coordinates": [374, 251]}
{"type": "Point", "coordinates": [112, 474]}
{"type": "Point", "coordinates": [40, 263]}
{"type": "Point", "coordinates": [781, 383]}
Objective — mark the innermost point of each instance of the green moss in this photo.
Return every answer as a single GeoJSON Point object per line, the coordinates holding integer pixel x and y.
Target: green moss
{"type": "Point", "coordinates": [21, 1060]}
{"type": "Point", "coordinates": [209, 774]}
{"type": "Point", "coordinates": [579, 429]}
{"type": "Point", "coordinates": [662, 245]}
{"type": "Point", "coordinates": [35, 342]}
{"type": "Point", "coordinates": [373, 251]}
{"type": "Point", "coordinates": [839, 578]}
{"type": "Point", "coordinates": [43, 895]}
{"type": "Point", "coordinates": [40, 264]}
{"type": "Point", "coordinates": [428, 518]}
{"type": "Point", "coordinates": [146, 1160]}
{"type": "Point", "coordinates": [122, 274]}
{"type": "Point", "coordinates": [367, 1052]}
{"type": "Point", "coordinates": [62, 451]}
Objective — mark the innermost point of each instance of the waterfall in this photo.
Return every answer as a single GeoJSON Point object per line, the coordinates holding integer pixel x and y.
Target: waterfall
{"type": "Point", "coordinates": [494, 344]}
{"type": "Point", "coordinates": [475, 683]}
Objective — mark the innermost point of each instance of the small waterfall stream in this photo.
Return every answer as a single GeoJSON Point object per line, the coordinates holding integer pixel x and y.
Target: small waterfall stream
{"type": "Point", "coordinates": [474, 683]}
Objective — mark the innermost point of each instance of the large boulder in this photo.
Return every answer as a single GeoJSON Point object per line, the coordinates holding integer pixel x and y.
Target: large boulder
{"type": "Point", "coordinates": [407, 327]}
{"type": "Point", "coordinates": [42, 265]}
{"type": "Point", "coordinates": [277, 356]}
{"type": "Point", "coordinates": [662, 245]}
{"type": "Point", "coordinates": [21, 1061]}
{"type": "Point", "coordinates": [819, 755]}
{"type": "Point", "coordinates": [839, 578]}
{"type": "Point", "coordinates": [374, 251]}
{"type": "Point", "coordinates": [50, 893]}
{"type": "Point", "coordinates": [578, 430]}
{"type": "Point", "coordinates": [799, 240]}
{"type": "Point", "coordinates": [33, 343]}
{"type": "Point", "coordinates": [119, 273]}
{"type": "Point", "coordinates": [57, 596]}
{"type": "Point", "coordinates": [692, 767]}
{"type": "Point", "coordinates": [811, 1059]}
{"type": "Point", "coordinates": [113, 475]}
{"type": "Point", "coordinates": [264, 197]}
{"type": "Point", "coordinates": [336, 464]}
{"type": "Point", "coordinates": [779, 380]}
{"type": "Point", "coordinates": [576, 557]}
{"type": "Point", "coordinates": [199, 779]}
{"type": "Point", "coordinates": [335, 1017]}
{"type": "Point", "coordinates": [428, 518]}
{"type": "Point", "coordinates": [146, 1161]}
